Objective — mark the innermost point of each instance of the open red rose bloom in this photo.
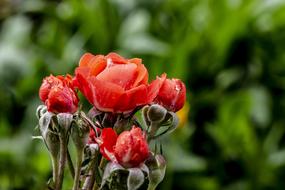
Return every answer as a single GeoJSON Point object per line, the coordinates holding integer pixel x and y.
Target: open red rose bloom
{"type": "Point", "coordinates": [115, 84]}
{"type": "Point", "coordinates": [129, 149]}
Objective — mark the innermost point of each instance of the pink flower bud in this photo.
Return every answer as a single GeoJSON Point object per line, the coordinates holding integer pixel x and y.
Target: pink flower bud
{"type": "Point", "coordinates": [58, 94]}
{"type": "Point", "coordinates": [130, 148]}
{"type": "Point", "coordinates": [172, 95]}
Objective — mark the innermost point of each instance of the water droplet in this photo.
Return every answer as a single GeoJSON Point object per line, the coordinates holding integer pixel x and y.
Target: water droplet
{"type": "Point", "coordinates": [177, 88]}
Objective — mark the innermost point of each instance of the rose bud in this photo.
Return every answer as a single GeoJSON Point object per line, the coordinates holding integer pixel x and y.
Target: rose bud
{"type": "Point", "coordinates": [114, 84]}
{"type": "Point", "coordinates": [156, 113]}
{"type": "Point", "coordinates": [47, 85]}
{"type": "Point", "coordinates": [172, 95]}
{"type": "Point", "coordinates": [129, 149]}
{"type": "Point", "coordinates": [58, 94]}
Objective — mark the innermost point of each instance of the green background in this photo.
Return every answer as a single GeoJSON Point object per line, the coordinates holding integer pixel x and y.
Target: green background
{"type": "Point", "coordinates": [229, 53]}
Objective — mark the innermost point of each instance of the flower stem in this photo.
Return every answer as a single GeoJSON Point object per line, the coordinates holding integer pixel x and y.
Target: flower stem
{"type": "Point", "coordinates": [62, 160]}
{"type": "Point", "coordinates": [89, 181]}
{"type": "Point", "coordinates": [70, 164]}
{"type": "Point", "coordinates": [55, 163]}
{"type": "Point", "coordinates": [94, 179]}
{"type": "Point", "coordinates": [77, 169]}
{"type": "Point", "coordinates": [151, 187]}
{"type": "Point", "coordinates": [153, 128]}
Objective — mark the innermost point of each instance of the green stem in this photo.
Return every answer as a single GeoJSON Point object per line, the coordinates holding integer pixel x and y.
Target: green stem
{"type": "Point", "coordinates": [153, 128]}
{"type": "Point", "coordinates": [94, 179]}
{"type": "Point", "coordinates": [77, 169]}
{"type": "Point", "coordinates": [152, 186]}
{"type": "Point", "coordinates": [96, 186]}
{"type": "Point", "coordinates": [98, 178]}
{"type": "Point", "coordinates": [62, 160]}
{"type": "Point", "coordinates": [70, 164]}
{"type": "Point", "coordinates": [55, 163]}
{"type": "Point", "coordinates": [89, 181]}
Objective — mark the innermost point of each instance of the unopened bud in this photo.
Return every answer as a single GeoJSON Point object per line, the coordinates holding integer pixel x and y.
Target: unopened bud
{"type": "Point", "coordinates": [157, 166]}
{"type": "Point", "coordinates": [40, 111]}
{"type": "Point", "coordinates": [64, 121]}
{"type": "Point", "coordinates": [50, 137]}
{"type": "Point", "coordinates": [144, 114]}
{"type": "Point", "coordinates": [156, 113]}
{"type": "Point", "coordinates": [80, 133]}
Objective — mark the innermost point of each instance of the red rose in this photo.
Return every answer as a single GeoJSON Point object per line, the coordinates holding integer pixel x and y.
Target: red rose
{"type": "Point", "coordinates": [58, 94]}
{"type": "Point", "coordinates": [129, 149]}
{"type": "Point", "coordinates": [172, 94]}
{"type": "Point", "coordinates": [115, 84]}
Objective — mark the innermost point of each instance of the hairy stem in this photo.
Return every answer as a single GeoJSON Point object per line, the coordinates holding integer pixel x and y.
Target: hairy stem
{"type": "Point", "coordinates": [55, 164]}
{"type": "Point", "coordinates": [94, 178]}
{"type": "Point", "coordinates": [151, 187]}
{"type": "Point", "coordinates": [70, 164]}
{"type": "Point", "coordinates": [153, 128]}
{"type": "Point", "coordinates": [62, 160]}
{"type": "Point", "coordinates": [77, 169]}
{"type": "Point", "coordinates": [89, 181]}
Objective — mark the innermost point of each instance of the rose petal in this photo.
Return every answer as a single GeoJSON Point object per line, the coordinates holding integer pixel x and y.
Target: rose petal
{"type": "Point", "coordinates": [117, 59]}
{"type": "Point", "coordinates": [82, 82]}
{"type": "Point", "coordinates": [107, 141]}
{"type": "Point", "coordinates": [131, 148]}
{"type": "Point", "coordinates": [172, 94]}
{"type": "Point", "coordinates": [154, 87]}
{"type": "Point", "coordinates": [133, 98]}
{"type": "Point", "coordinates": [122, 75]}
{"type": "Point", "coordinates": [142, 77]}
{"type": "Point", "coordinates": [85, 59]}
{"type": "Point", "coordinates": [105, 94]}
{"type": "Point", "coordinates": [97, 65]}
{"type": "Point", "coordinates": [60, 100]}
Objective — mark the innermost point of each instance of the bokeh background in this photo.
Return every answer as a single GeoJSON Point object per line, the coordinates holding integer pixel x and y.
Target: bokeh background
{"type": "Point", "coordinates": [229, 53]}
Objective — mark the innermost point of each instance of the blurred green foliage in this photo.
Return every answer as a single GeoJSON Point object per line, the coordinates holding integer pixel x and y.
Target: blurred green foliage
{"type": "Point", "coordinates": [230, 54]}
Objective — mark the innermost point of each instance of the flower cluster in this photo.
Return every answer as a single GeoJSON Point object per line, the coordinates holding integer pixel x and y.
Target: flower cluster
{"type": "Point", "coordinates": [110, 134]}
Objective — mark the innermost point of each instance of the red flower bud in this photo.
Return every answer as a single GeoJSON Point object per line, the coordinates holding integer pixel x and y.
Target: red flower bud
{"type": "Point", "coordinates": [129, 149]}
{"type": "Point", "coordinates": [58, 94]}
{"type": "Point", "coordinates": [115, 84]}
{"type": "Point", "coordinates": [172, 94]}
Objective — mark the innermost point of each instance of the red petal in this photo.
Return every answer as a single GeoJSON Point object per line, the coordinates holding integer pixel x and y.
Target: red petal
{"type": "Point", "coordinates": [60, 100]}
{"type": "Point", "coordinates": [97, 65]}
{"type": "Point", "coordinates": [82, 82]}
{"type": "Point", "coordinates": [107, 141]}
{"type": "Point", "coordinates": [117, 59]}
{"type": "Point", "coordinates": [172, 94]}
{"type": "Point", "coordinates": [142, 77]}
{"type": "Point", "coordinates": [131, 148]}
{"type": "Point", "coordinates": [47, 84]}
{"type": "Point", "coordinates": [122, 75]}
{"type": "Point", "coordinates": [105, 94]}
{"type": "Point", "coordinates": [137, 61]}
{"type": "Point", "coordinates": [154, 87]}
{"type": "Point", "coordinates": [85, 59]}
{"type": "Point", "coordinates": [133, 98]}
